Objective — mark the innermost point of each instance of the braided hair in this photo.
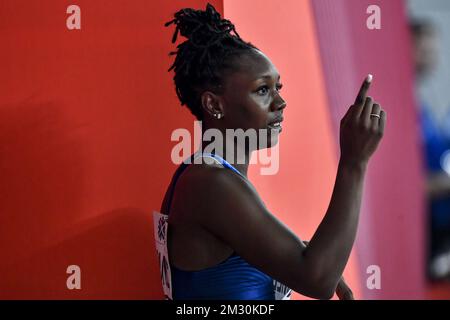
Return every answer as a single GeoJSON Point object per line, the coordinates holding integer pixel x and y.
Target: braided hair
{"type": "Point", "coordinates": [202, 60]}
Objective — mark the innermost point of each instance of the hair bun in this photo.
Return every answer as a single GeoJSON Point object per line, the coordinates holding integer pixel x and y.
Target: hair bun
{"type": "Point", "coordinates": [202, 27]}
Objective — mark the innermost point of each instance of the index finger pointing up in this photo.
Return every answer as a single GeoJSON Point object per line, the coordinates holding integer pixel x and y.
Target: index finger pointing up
{"type": "Point", "coordinates": [362, 94]}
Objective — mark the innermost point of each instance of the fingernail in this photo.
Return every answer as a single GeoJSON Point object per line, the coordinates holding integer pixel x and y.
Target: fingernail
{"type": "Point", "coordinates": [369, 78]}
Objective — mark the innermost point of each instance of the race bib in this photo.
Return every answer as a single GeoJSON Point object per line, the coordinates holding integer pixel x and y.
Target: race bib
{"type": "Point", "coordinates": [160, 223]}
{"type": "Point", "coordinates": [281, 291]}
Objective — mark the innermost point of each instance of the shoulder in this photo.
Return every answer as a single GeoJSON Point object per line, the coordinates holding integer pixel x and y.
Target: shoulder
{"type": "Point", "coordinates": [210, 179]}
{"type": "Point", "coordinates": [210, 189]}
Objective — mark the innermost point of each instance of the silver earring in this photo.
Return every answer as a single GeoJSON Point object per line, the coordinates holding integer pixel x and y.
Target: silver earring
{"type": "Point", "coordinates": [218, 116]}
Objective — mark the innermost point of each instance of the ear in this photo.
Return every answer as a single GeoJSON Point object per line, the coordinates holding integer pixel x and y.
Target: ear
{"type": "Point", "coordinates": [212, 104]}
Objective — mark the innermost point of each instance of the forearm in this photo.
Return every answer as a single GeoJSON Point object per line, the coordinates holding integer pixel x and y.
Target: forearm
{"type": "Point", "coordinates": [361, 130]}
{"type": "Point", "coordinates": [329, 249]}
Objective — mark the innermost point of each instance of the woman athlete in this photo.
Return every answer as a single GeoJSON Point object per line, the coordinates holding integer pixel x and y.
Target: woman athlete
{"type": "Point", "coordinates": [223, 243]}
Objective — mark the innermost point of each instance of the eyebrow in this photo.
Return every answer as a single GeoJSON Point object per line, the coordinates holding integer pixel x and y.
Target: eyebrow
{"type": "Point", "coordinates": [267, 76]}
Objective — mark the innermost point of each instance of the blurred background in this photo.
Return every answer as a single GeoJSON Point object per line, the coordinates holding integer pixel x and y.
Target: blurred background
{"type": "Point", "coordinates": [430, 29]}
{"type": "Point", "coordinates": [86, 116]}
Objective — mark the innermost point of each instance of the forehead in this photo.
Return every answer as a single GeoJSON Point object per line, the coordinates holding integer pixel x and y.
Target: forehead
{"type": "Point", "coordinates": [252, 67]}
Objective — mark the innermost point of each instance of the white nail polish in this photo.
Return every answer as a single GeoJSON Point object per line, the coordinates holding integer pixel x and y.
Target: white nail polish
{"type": "Point", "coordinates": [369, 78]}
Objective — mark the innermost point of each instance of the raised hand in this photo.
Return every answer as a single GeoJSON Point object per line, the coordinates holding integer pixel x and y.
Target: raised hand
{"type": "Point", "coordinates": [362, 127]}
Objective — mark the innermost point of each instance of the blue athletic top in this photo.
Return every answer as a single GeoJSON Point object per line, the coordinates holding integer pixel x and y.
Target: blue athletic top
{"type": "Point", "coordinates": [232, 279]}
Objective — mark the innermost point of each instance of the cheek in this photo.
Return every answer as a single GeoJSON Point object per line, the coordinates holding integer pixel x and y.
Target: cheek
{"type": "Point", "coordinates": [247, 111]}
{"type": "Point", "coordinates": [256, 111]}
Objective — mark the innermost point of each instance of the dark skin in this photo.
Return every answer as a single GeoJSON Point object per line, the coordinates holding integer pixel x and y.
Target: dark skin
{"type": "Point", "coordinates": [246, 103]}
{"type": "Point", "coordinates": [240, 221]}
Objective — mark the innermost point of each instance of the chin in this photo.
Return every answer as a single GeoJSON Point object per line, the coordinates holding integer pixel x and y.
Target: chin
{"type": "Point", "coordinates": [272, 140]}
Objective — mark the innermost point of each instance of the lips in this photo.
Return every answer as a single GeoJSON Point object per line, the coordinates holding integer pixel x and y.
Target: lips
{"type": "Point", "coordinates": [275, 124]}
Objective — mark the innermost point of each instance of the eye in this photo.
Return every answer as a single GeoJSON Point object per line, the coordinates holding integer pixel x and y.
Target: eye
{"type": "Point", "coordinates": [279, 86]}
{"type": "Point", "coordinates": [262, 90]}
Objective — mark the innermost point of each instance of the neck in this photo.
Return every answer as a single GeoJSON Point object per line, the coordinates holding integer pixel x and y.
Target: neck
{"type": "Point", "coordinates": [236, 154]}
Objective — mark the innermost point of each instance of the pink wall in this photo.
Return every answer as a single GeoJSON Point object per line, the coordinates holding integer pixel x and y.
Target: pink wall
{"type": "Point", "coordinates": [391, 233]}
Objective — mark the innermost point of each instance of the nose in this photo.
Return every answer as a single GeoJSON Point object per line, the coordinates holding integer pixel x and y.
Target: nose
{"type": "Point", "coordinates": [278, 103]}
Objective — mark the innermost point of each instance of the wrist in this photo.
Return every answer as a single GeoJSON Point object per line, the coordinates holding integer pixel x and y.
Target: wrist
{"type": "Point", "coordinates": [353, 165]}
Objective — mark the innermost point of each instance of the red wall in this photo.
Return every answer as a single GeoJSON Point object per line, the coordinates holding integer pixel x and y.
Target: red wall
{"type": "Point", "coordinates": [85, 123]}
